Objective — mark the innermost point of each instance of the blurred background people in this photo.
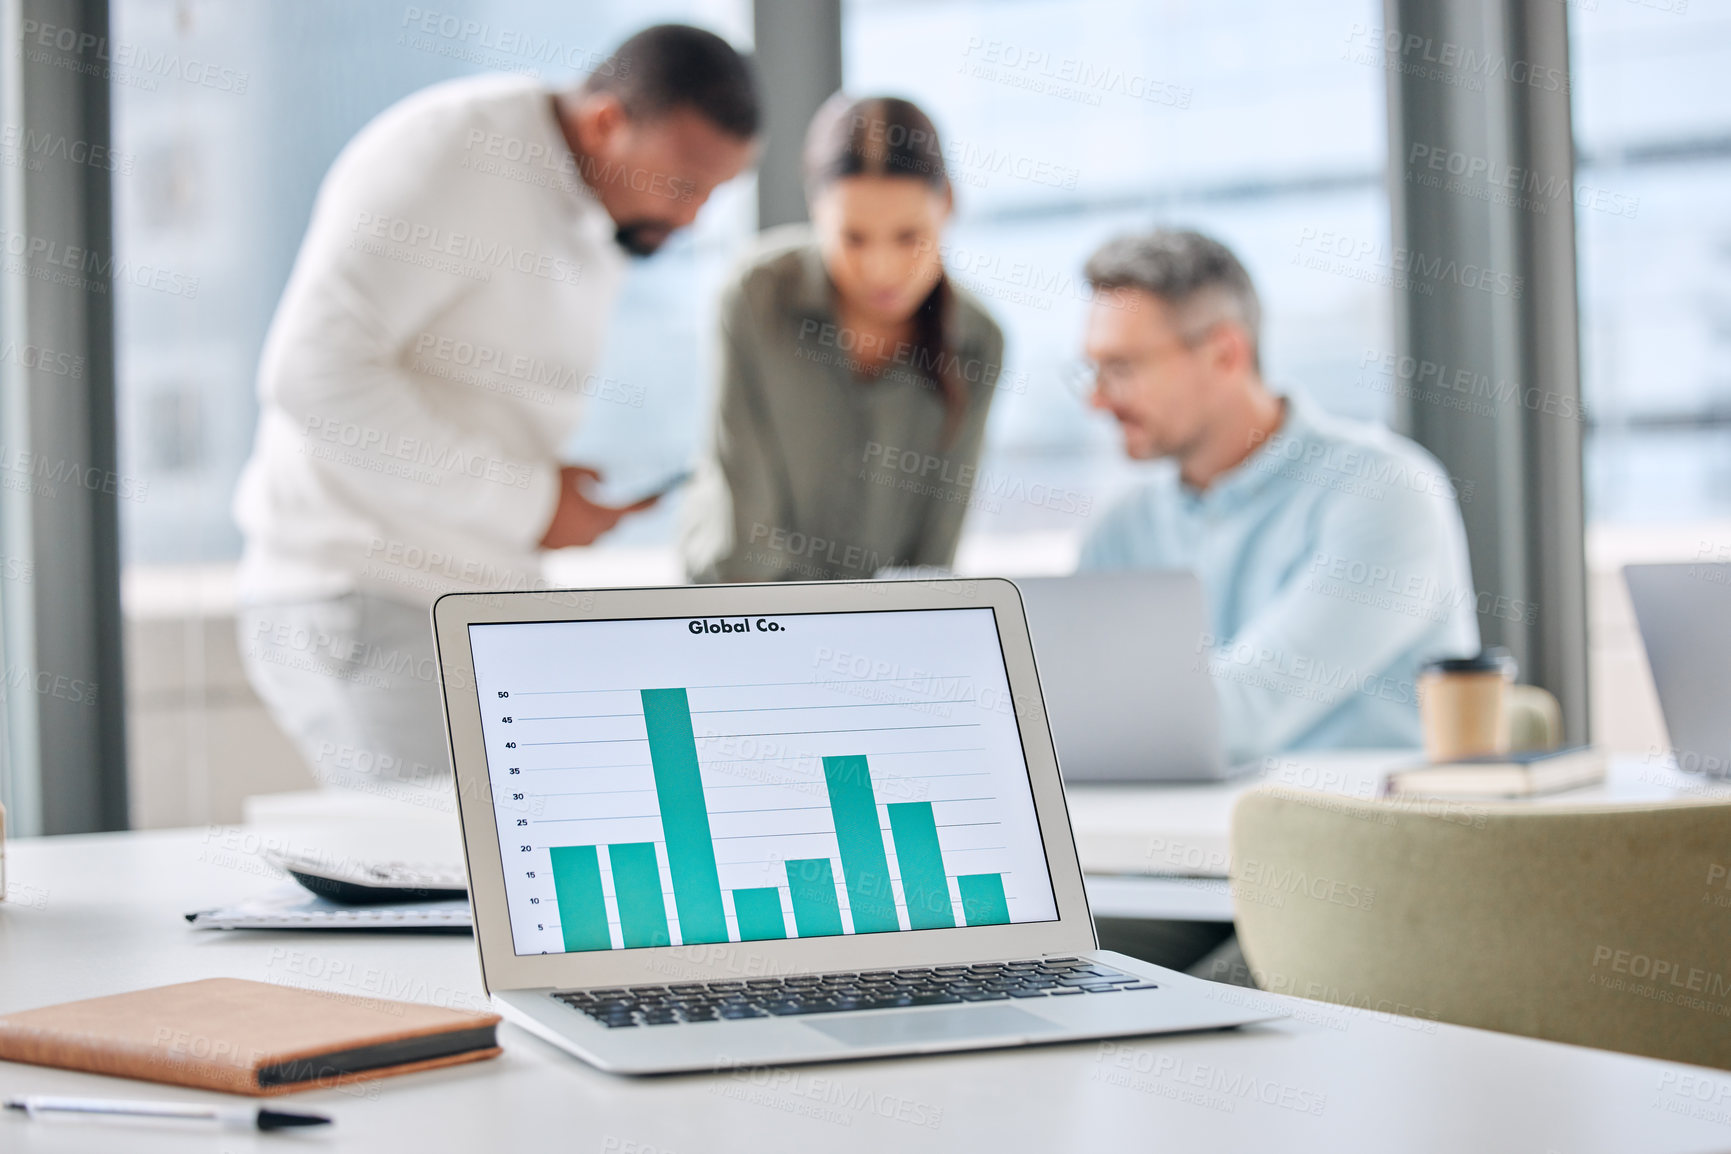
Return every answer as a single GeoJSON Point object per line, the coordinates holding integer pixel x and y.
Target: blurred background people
{"type": "Point", "coordinates": [1331, 551]}
{"type": "Point", "coordinates": [855, 377]}
{"type": "Point", "coordinates": [431, 353]}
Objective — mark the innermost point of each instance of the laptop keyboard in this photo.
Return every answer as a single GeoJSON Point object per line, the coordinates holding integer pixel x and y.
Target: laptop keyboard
{"type": "Point", "coordinates": [837, 993]}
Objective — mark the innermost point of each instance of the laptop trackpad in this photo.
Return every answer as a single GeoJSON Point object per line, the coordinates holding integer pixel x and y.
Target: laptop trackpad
{"type": "Point", "coordinates": [933, 1026]}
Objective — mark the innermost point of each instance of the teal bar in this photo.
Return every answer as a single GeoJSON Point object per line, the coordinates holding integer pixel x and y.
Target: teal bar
{"type": "Point", "coordinates": [863, 864]}
{"type": "Point", "coordinates": [637, 885]}
{"type": "Point", "coordinates": [684, 817]}
{"type": "Point", "coordinates": [577, 888]}
{"type": "Point", "coordinates": [983, 901]}
{"type": "Point", "coordinates": [759, 914]}
{"type": "Point", "coordinates": [922, 865]}
{"type": "Point", "coordinates": [812, 887]}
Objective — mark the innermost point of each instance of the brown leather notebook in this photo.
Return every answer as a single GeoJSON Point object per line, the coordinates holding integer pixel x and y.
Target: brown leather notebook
{"type": "Point", "coordinates": [246, 1037]}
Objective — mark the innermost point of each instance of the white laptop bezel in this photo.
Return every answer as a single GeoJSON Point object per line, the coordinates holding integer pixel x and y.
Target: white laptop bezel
{"type": "Point", "coordinates": [503, 969]}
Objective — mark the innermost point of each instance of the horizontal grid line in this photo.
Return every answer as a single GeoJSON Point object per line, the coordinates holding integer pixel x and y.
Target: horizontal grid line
{"type": "Point", "coordinates": [815, 732]}
{"type": "Point", "coordinates": [762, 709]}
{"type": "Point", "coordinates": [762, 684]}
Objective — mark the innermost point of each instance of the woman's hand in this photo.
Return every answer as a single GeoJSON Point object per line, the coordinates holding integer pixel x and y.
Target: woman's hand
{"type": "Point", "coordinates": [579, 521]}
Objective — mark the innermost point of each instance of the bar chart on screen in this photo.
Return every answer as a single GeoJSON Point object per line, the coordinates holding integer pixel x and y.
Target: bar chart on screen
{"type": "Point", "coordinates": [671, 788]}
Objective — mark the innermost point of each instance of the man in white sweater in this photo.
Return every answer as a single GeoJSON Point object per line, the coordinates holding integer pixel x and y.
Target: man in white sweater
{"type": "Point", "coordinates": [432, 351]}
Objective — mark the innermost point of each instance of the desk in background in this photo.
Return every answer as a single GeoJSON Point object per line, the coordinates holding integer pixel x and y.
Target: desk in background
{"type": "Point", "coordinates": [1161, 851]}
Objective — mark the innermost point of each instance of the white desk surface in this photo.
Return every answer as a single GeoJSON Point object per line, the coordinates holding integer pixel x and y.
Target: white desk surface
{"type": "Point", "coordinates": [100, 914]}
{"type": "Point", "coordinates": [1149, 848]}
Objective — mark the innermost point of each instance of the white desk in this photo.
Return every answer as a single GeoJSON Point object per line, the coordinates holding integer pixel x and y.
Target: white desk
{"type": "Point", "coordinates": [1162, 851]}
{"type": "Point", "coordinates": [102, 914]}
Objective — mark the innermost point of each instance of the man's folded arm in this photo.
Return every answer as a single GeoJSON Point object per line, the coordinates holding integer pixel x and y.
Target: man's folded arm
{"type": "Point", "coordinates": [1309, 650]}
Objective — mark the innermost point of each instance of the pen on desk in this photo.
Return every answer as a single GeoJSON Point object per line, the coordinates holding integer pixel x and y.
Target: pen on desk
{"type": "Point", "coordinates": [231, 1117]}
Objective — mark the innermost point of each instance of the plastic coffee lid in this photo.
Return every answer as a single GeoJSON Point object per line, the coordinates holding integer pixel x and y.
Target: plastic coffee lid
{"type": "Point", "coordinates": [1497, 660]}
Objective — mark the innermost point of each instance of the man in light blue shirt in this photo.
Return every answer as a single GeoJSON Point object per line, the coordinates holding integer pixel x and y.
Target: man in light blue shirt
{"type": "Point", "coordinates": [1331, 551]}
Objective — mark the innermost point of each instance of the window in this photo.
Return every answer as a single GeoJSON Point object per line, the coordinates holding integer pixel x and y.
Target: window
{"type": "Point", "coordinates": [1653, 221]}
{"type": "Point", "coordinates": [1653, 227]}
{"type": "Point", "coordinates": [226, 117]}
{"type": "Point", "coordinates": [225, 121]}
{"type": "Point", "coordinates": [1066, 123]}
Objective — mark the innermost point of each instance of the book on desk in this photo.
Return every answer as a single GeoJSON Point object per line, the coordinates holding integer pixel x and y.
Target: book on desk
{"type": "Point", "coordinates": [246, 1037]}
{"type": "Point", "coordinates": [1505, 775]}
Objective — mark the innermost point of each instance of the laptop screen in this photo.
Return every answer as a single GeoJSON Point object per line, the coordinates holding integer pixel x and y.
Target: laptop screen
{"type": "Point", "coordinates": [675, 781]}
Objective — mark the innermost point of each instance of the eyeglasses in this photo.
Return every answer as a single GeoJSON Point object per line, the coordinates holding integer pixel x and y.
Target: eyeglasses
{"type": "Point", "coordinates": [1079, 379]}
{"type": "Point", "coordinates": [1114, 379]}
{"type": "Point", "coordinates": [1084, 379]}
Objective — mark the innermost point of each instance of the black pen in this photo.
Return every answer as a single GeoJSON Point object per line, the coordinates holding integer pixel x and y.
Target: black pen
{"type": "Point", "coordinates": [231, 1117]}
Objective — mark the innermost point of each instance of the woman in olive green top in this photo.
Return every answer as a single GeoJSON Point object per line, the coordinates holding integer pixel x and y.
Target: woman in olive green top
{"type": "Point", "coordinates": [855, 377]}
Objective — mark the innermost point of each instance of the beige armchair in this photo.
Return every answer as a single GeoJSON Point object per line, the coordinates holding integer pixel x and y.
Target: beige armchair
{"type": "Point", "coordinates": [1605, 926]}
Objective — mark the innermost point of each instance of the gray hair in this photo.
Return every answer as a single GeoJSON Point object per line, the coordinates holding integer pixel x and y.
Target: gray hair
{"type": "Point", "coordinates": [1196, 275]}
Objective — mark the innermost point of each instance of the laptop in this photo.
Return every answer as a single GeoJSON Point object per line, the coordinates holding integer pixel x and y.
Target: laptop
{"type": "Point", "coordinates": [740, 825]}
{"type": "Point", "coordinates": [1126, 675]}
{"type": "Point", "coordinates": [1684, 613]}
